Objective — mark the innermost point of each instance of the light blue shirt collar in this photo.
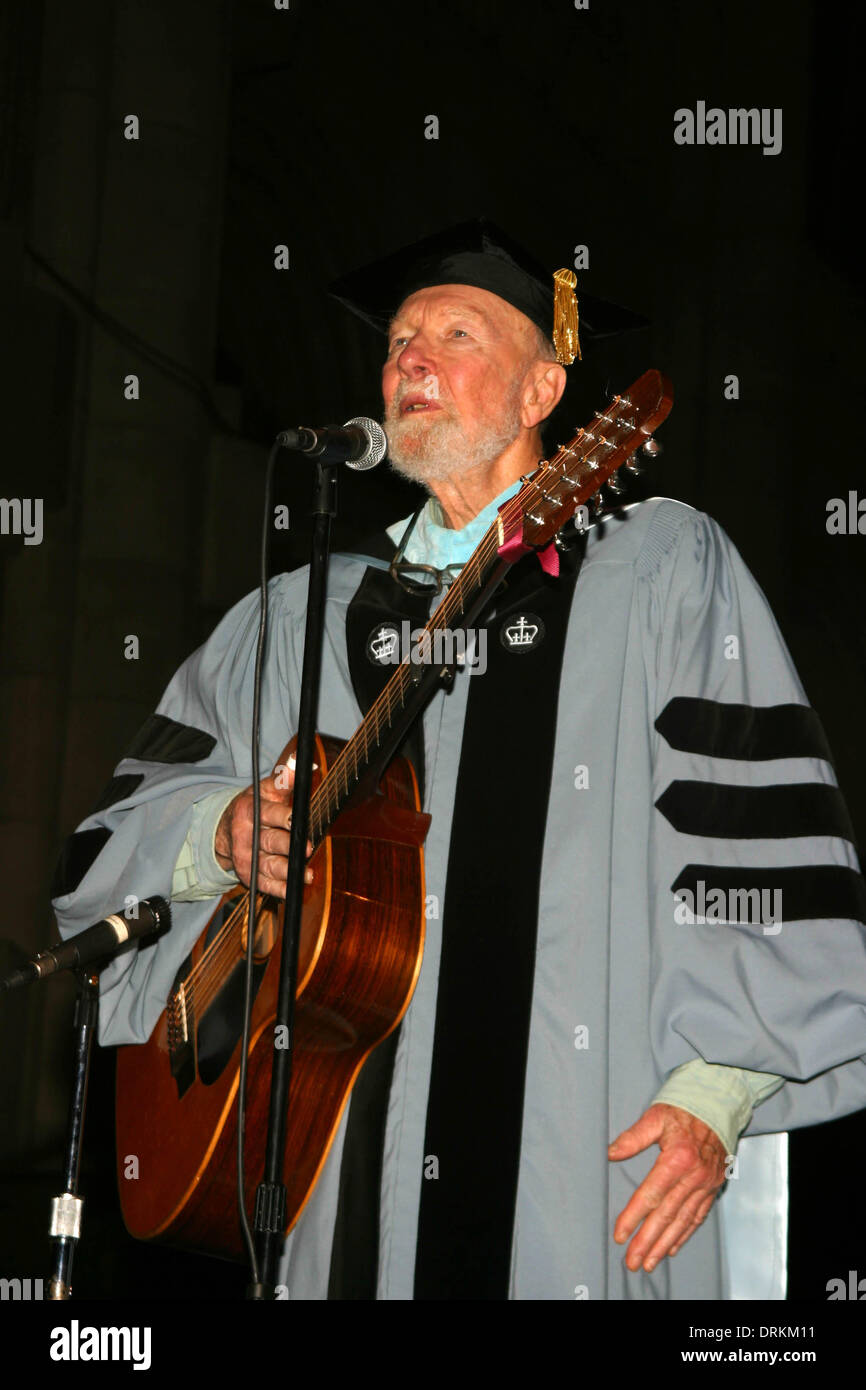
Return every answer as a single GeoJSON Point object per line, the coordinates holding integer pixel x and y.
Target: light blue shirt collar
{"type": "Point", "coordinates": [434, 543]}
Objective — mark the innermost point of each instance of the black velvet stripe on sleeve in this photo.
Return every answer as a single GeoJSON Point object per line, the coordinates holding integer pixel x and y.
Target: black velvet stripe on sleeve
{"type": "Point", "coordinates": [164, 740]}
{"type": "Point", "coordinates": [80, 850]}
{"type": "Point", "coordinates": [822, 891]}
{"type": "Point", "coordinates": [756, 813]}
{"type": "Point", "coordinates": [76, 857]}
{"type": "Point", "coordinates": [118, 789]}
{"type": "Point", "coordinates": [355, 1249]}
{"type": "Point", "coordinates": [742, 731]}
{"type": "Point", "coordinates": [475, 1108]}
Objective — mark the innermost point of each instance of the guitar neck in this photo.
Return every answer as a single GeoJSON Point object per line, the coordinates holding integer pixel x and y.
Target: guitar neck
{"type": "Point", "coordinates": [391, 716]}
{"type": "Point", "coordinates": [529, 520]}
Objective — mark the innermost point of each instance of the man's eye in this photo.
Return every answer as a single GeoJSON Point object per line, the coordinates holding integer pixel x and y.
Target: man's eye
{"type": "Point", "coordinates": [461, 332]}
{"type": "Point", "coordinates": [395, 342]}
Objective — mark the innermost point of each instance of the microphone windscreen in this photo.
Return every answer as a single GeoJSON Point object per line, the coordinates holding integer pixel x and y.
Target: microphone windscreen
{"type": "Point", "coordinates": [378, 444]}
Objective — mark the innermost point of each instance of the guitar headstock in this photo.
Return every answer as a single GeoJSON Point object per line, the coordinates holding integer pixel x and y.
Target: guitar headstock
{"type": "Point", "coordinates": [576, 472]}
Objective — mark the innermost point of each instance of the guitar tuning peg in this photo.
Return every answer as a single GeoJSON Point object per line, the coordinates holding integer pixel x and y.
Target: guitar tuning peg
{"type": "Point", "coordinates": [614, 484]}
{"type": "Point", "coordinates": [633, 466]}
{"type": "Point", "coordinates": [651, 448]}
{"type": "Point", "coordinates": [596, 501]}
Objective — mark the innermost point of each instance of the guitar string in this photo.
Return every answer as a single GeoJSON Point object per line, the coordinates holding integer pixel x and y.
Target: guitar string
{"type": "Point", "coordinates": [200, 992]}
{"type": "Point", "coordinates": [209, 974]}
{"type": "Point", "coordinates": [221, 956]}
{"type": "Point", "coordinates": [396, 687]}
{"type": "Point", "coordinates": [232, 928]}
{"type": "Point", "coordinates": [485, 551]}
{"type": "Point", "coordinates": [215, 963]}
{"type": "Point", "coordinates": [214, 948]}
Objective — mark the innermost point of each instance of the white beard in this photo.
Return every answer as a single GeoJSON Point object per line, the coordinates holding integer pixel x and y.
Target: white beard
{"type": "Point", "coordinates": [431, 450]}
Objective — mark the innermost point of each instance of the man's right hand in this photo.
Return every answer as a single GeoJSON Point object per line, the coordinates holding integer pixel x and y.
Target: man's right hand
{"type": "Point", "coordinates": [233, 842]}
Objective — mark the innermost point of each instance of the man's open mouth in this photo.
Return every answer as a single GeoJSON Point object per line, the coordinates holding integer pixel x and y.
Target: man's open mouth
{"type": "Point", "coordinates": [411, 405]}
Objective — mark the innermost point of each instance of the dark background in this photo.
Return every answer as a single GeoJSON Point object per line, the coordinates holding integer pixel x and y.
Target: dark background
{"type": "Point", "coordinates": [156, 256]}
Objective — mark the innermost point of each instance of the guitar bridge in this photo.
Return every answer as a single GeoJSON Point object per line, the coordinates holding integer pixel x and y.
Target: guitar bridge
{"type": "Point", "coordinates": [181, 1036]}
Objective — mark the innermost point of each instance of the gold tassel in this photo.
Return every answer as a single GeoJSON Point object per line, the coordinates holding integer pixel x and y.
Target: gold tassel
{"type": "Point", "coordinates": [565, 317]}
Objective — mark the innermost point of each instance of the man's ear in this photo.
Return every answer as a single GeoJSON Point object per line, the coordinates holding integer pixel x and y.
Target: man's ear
{"type": "Point", "coordinates": [543, 390]}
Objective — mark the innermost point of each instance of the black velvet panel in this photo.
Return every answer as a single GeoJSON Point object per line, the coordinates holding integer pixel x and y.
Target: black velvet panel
{"type": "Point", "coordinates": [164, 740]}
{"type": "Point", "coordinates": [380, 599]}
{"type": "Point", "coordinates": [742, 731]}
{"type": "Point", "coordinates": [76, 857]}
{"type": "Point", "coordinates": [475, 1108]}
{"type": "Point", "coordinates": [355, 1249]}
{"type": "Point", "coordinates": [811, 893]}
{"type": "Point", "coordinates": [756, 813]}
{"type": "Point", "coordinates": [118, 789]}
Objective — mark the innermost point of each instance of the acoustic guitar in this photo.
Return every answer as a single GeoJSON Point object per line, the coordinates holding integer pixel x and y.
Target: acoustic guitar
{"type": "Point", "coordinates": [362, 930]}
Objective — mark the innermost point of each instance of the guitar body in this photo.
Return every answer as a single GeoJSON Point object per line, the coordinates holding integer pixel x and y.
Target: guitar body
{"type": "Point", "coordinates": [361, 943]}
{"type": "Point", "coordinates": [363, 921]}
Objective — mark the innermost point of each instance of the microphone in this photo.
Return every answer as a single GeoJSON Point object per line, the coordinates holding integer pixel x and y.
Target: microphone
{"type": "Point", "coordinates": [360, 443]}
{"type": "Point", "coordinates": [98, 942]}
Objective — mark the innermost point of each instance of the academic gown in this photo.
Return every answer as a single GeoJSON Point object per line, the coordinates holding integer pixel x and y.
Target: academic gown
{"type": "Point", "coordinates": [683, 753]}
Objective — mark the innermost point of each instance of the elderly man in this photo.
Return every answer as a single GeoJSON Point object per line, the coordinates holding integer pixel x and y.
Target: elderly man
{"type": "Point", "coordinates": [638, 741]}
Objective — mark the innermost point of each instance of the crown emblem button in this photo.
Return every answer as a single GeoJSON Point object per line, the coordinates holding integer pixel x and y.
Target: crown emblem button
{"type": "Point", "coordinates": [522, 632]}
{"type": "Point", "coordinates": [383, 645]}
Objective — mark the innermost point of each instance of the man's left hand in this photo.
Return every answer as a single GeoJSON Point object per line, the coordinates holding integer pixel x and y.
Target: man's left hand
{"type": "Point", "coordinates": [679, 1189]}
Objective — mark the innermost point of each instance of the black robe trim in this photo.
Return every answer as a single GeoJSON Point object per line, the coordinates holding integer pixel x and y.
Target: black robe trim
{"type": "Point", "coordinates": [76, 858]}
{"type": "Point", "coordinates": [355, 1250]}
{"type": "Point", "coordinates": [742, 731]}
{"type": "Point", "coordinates": [164, 740]}
{"type": "Point", "coordinates": [118, 789]}
{"type": "Point", "coordinates": [80, 850]}
{"type": "Point", "coordinates": [378, 600]}
{"type": "Point", "coordinates": [475, 1108]}
{"type": "Point", "coordinates": [820, 890]}
{"type": "Point", "coordinates": [756, 813]}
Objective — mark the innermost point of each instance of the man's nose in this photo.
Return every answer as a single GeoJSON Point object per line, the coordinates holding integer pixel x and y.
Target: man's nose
{"type": "Point", "coordinates": [416, 359]}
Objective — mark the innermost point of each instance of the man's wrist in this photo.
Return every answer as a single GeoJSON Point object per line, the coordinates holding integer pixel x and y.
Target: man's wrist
{"type": "Point", "coordinates": [222, 839]}
{"type": "Point", "coordinates": [715, 1094]}
{"type": "Point", "coordinates": [198, 873]}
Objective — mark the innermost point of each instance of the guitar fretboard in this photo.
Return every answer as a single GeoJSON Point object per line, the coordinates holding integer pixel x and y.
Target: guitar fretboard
{"type": "Point", "coordinates": [548, 499]}
{"type": "Point", "coordinates": [360, 751]}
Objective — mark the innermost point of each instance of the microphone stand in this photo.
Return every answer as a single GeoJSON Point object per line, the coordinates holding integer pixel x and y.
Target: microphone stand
{"type": "Point", "coordinates": [96, 947]}
{"type": "Point", "coordinates": [67, 1207]}
{"type": "Point", "coordinates": [269, 1222]}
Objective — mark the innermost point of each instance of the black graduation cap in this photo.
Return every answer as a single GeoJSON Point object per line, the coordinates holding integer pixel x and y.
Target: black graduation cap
{"type": "Point", "coordinates": [481, 254]}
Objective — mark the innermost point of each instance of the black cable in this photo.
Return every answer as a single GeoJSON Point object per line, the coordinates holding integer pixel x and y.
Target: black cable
{"type": "Point", "coordinates": [252, 916]}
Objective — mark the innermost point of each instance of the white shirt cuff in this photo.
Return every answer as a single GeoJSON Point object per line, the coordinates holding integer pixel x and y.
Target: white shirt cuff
{"type": "Point", "coordinates": [197, 874]}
